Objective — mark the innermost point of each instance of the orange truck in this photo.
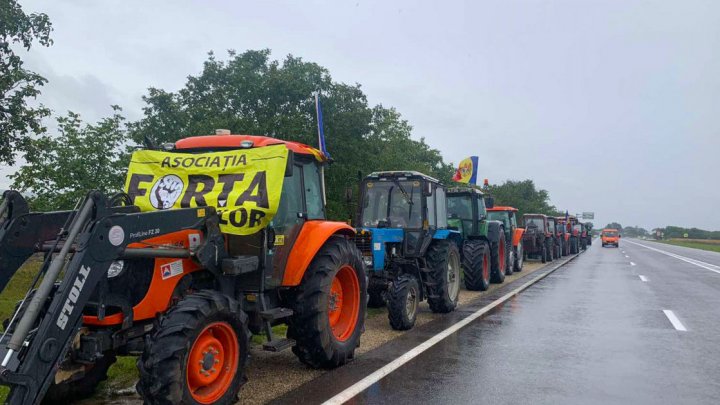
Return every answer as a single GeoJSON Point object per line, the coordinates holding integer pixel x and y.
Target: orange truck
{"type": "Point", "coordinates": [610, 236]}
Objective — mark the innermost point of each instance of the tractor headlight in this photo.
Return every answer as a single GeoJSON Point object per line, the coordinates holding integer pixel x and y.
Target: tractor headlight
{"type": "Point", "coordinates": [116, 268]}
{"type": "Point", "coordinates": [368, 260]}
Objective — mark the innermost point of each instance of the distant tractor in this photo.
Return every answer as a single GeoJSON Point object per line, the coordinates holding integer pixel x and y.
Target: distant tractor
{"type": "Point", "coordinates": [575, 234]}
{"type": "Point", "coordinates": [481, 238]}
{"type": "Point", "coordinates": [556, 237]}
{"type": "Point", "coordinates": [589, 230]}
{"type": "Point", "coordinates": [513, 235]}
{"type": "Point", "coordinates": [537, 240]}
{"type": "Point", "coordinates": [582, 234]}
{"type": "Point", "coordinates": [563, 234]}
{"type": "Point", "coordinates": [410, 252]}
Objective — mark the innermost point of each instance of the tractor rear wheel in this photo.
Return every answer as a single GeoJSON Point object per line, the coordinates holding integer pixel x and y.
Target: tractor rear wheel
{"type": "Point", "coordinates": [403, 302]}
{"type": "Point", "coordinates": [498, 259]}
{"type": "Point", "coordinates": [543, 253]}
{"type": "Point", "coordinates": [197, 352]}
{"type": "Point", "coordinates": [519, 258]}
{"type": "Point", "coordinates": [443, 261]}
{"type": "Point", "coordinates": [377, 290]}
{"type": "Point", "coordinates": [329, 306]}
{"type": "Point", "coordinates": [476, 265]}
{"type": "Point", "coordinates": [550, 250]}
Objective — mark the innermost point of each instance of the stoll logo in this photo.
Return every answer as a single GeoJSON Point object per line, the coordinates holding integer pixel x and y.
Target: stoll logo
{"type": "Point", "coordinates": [72, 297]}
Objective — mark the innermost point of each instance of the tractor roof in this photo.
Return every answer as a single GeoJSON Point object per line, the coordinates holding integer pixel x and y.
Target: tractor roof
{"type": "Point", "coordinates": [398, 174]}
{"type": "Point", "coordinates": [461, 190]}
{"type": "Point", "coordinates": [241, 142]}
{"type": "Point", "coordinates": [535, 215]}
{"type": "Point", "coordinates": [502, 208]}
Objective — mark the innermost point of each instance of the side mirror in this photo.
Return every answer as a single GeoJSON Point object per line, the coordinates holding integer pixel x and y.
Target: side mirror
{"type": "Point", "coordinates": [489, 202]}
{"type": "Point", "coordinates": [619, 236]}
{"type": "Point", "coordinates": [348, 194]}
{"type": "Point", "coordinates": [427, 189]}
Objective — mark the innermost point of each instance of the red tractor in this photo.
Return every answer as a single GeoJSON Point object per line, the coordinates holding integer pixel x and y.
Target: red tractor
{"type": "Point", "coordinates": [563, 233]}
{"type": "Point", "coordinates": [170, 286]}
{"type": "Point", "coordinates": [537, 241]}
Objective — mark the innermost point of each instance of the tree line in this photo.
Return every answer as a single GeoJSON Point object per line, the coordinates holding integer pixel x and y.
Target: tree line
{"type": "Point", "coordinates": [247, 93]}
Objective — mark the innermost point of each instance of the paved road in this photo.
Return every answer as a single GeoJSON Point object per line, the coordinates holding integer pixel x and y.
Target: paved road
{"type": "Point", "coordinates": [592, 332]}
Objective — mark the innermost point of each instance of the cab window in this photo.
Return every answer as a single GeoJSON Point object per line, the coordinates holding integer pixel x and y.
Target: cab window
{"type": "Point", "coordinates": [313, 191]}
{"type": "Point", "coordinates": [441, 203]}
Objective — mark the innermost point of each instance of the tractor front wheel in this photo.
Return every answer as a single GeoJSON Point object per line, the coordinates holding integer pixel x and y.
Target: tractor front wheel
{"type": "Point", "coordinates": [498, 259]}
{"type": "Point", "coordinates": [519, 258]}
{"type": "Point", "coordinates": [403, 302]}
{"type": "Point", "coordinates": [197, 352]}
{"type": "Point", "coordinates": [329, 306]}
{"type": "Point", "coordinates": [443, 261]}
{"type": "Point", "coordinates": [476, 265]}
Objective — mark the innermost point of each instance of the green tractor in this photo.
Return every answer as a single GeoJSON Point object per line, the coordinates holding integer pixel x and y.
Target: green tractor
{"type": "Point", "coordinates": [480, 247]}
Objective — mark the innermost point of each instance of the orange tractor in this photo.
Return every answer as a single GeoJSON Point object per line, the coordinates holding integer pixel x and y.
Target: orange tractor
{"type": "Point", "coordinates": [513, 252]}
{"type": "Point", "coordinates": [182, 288]}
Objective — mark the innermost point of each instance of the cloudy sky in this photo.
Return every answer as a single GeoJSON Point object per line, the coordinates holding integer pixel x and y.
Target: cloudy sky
{"type": "Point", "coordinates": [612, 106]}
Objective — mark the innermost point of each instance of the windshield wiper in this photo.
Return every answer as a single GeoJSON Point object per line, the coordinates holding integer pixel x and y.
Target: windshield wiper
{"type": "Point", "coordinates": [403, 192]}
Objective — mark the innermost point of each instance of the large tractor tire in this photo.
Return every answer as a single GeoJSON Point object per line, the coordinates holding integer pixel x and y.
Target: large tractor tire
{"type": "Point", "coordinates": [558, 251]}
{"type": "Point", "coordinates": [403, 302]}
{"type": "Point", "coordinates": [510, 260]}
{"type": "Point", "coordinates": [519, 258]}
{"type": "Point", "coordinates": [329, 306]}
{"type": "Point", "coordinates": [498, 259]}
{"type": "Point", "coordinates": [550, 250]}
{"type": "Point", "coordinates": [443, 287]}
{"type": "Point", "coordinates": [543, 253]}
{"type": "Point", "coordinates": [476, 265]}
{"type": "Point", "coordinates": [197, 352]}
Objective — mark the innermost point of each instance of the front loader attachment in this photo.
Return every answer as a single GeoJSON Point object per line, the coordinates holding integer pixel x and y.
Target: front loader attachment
{"type": "Point", "coordinates": [86, 242]}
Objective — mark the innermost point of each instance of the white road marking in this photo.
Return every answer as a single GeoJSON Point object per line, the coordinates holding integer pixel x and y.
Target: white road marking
{"type": "Point", "coordinates": [633, 264]}
{"type": "Point", "coordinates": [382, 372]}
{"type": "Point", "coordinates": [643, 278]}
{"type": "Point", "coordinates": [674, 320]}
{"type": "Point", "coordinates": [706, 266]}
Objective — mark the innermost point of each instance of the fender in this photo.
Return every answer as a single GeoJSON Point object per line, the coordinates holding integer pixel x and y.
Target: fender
{"type": "Point", "coordinates": [517, 236]}
{"type": "Point", "coordinates": [494, 229]}
{"type": "Point", "coordinates": [312, 236]}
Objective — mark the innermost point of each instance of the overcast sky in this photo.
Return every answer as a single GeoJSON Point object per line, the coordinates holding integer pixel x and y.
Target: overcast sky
{"type": "Point", "coordinates": [612, 106]}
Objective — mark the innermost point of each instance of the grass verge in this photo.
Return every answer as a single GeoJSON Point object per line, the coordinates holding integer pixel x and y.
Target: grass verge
{"type": "Point", "coordinates": [710, 245]}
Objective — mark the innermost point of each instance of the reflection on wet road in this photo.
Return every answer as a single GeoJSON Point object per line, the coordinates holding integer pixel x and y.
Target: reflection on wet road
{"type": "Point", "coordinates": [594, 331]}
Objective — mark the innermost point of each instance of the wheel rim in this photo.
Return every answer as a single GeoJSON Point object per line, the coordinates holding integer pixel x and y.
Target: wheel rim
{"type": "Point", "coordinates": [344, 303]}
{"type": "Point", "coordinates": [486, 268]}
{"type": "Point", "coordinates": [212, 363]}
{"type": "Point", "coordinates": [453, 276]}
{"type": "Point", "coordinates": [411, 302]}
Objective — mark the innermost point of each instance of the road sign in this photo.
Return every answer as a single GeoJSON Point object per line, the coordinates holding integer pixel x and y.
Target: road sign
{"type": "Point", "coordinates": [588, 215]}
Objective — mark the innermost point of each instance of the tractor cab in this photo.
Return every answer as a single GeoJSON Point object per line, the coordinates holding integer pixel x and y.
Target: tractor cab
{"type": "Point", "coordinates": [401, 212]}
{"type": "Point", "coordinates": [513, 233]}
{"type": "Point", "coordinates": [466, 211]}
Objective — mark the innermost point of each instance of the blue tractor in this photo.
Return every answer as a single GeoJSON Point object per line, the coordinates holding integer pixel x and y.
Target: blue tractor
{"type": "Point", "coordinates": [410, 252]}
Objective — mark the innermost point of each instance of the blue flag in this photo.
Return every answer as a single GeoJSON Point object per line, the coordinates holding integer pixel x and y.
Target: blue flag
{"type": "Point", "coordinates": [321, 132]}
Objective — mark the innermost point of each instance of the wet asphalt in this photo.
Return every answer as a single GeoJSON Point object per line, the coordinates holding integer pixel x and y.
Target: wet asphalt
{"type": "Point", "coordinates": [591, 332]}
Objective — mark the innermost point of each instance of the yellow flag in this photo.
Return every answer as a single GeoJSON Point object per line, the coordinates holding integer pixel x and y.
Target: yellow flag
{"type": "Point", "coordinates": [244, 184]}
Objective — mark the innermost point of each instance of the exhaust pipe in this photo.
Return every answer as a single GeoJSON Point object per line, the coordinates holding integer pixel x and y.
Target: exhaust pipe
{"type": "Point", "coordinates": [33, 309]}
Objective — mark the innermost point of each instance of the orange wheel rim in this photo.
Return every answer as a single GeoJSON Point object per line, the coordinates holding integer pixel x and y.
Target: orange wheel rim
{"type": "Point", "coordinates": [212, 362]}
{"type": "Point", "coordinates": [344, 303]}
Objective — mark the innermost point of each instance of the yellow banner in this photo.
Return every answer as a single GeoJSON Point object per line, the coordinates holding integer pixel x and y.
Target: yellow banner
{"type": "Point", "coordinates": [244, 185]}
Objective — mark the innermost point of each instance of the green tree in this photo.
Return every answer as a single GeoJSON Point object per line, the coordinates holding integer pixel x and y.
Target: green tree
{"type": "Point", "coordinates": [83, 157]}
{"type": "Point", "coordinates": [524, 196]}
{"type": "Point", "coordinates": [252, 94]}
{"type": "Point", "coordinates": [17, 84]}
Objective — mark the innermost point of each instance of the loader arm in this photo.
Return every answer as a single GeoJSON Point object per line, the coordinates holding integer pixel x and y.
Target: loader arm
{"type": "Point", "coordinates": [42, 338]}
